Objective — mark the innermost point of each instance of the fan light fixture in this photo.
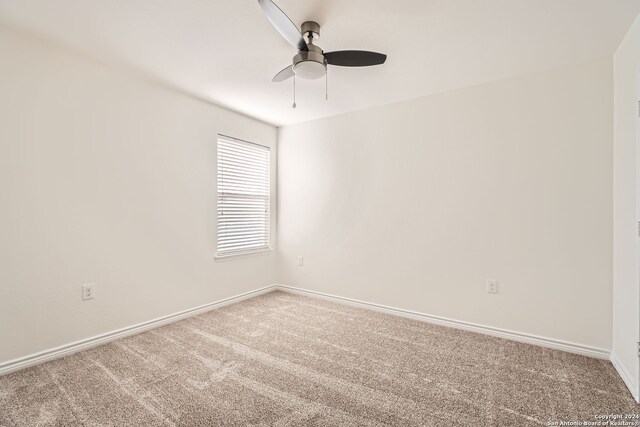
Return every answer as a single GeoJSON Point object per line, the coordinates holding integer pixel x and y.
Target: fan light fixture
{"type": "Point", "coordinates": [309, 65]}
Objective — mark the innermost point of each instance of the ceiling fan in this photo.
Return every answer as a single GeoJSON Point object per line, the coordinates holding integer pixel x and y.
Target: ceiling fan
{"type": "Point", "coordinates": [311, 61]}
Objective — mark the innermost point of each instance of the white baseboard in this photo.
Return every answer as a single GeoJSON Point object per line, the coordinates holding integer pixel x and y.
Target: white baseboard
{"type": "Point", "coordinates": [64, 350]}
{"type": "Point", "coordinates": [625, 377]}
{"type": "Point", "coordinates": [67, 349]}
{"type": "Point", "coordinates": [570, 347]}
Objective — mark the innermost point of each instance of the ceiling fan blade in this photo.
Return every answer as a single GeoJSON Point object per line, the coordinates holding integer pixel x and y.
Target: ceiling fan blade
{"type": "Point", "coordinates": [355, 58]}
{"type": "Point", "coordinates": [283, 75]}
{"type": "Point", "coordinates": [283, 24]}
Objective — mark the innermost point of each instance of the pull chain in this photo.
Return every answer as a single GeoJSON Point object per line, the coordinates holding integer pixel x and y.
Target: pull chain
{"type": "Point", "coordinates": [294, 91]}
{"type": "Point", "coordinates": [326, 85]}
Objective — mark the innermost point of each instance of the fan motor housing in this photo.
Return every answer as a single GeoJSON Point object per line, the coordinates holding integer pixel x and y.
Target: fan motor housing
{"type": "Point", "coordinates": [310, 65]}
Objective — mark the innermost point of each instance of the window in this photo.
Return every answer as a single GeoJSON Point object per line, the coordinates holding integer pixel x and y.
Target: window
{"type": "Point", "coordinates": [243, 197]}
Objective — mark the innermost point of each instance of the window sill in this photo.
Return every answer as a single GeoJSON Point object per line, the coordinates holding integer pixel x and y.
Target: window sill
{"type": "Point", "coordinates": [241, 255]}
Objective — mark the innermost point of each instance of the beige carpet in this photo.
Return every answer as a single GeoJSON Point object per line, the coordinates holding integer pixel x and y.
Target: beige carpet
{"type": "Point", "coordinates": [287, 360]}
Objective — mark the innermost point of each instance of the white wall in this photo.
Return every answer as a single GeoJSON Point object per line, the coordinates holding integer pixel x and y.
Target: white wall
{"type": "Point", "coordinates": [106, 179]}
{"type": "Point", "coordinates": [415, 205]}
{"type": "Point", "coordinates": [626, 300]}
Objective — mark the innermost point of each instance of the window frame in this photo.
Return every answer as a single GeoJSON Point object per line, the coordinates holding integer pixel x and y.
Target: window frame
{"type": "Point", "coordinates": [246, 252]}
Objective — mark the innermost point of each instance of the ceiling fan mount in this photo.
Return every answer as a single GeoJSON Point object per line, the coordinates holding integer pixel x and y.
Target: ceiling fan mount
{"type": "Point", "coordinates": [311, 61]}
{"type": "Point", "coordinates": [311, 30]}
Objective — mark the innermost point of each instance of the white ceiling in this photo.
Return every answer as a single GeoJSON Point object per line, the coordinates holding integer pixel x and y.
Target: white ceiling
{"type": "Point", "coordinates": [227, 52]}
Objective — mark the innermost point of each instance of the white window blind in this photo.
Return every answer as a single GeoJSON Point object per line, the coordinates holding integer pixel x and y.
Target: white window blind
{"type": "Point", "coordinates": [243, 197]}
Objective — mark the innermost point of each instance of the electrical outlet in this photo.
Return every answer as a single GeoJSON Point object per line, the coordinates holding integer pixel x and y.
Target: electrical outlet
{"type": "Point", "coordinates": [300, 261]}
{"type": "Point", "coordinates": [88, 292]}
{"type": "Point", "coordinates": [492, 286]}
